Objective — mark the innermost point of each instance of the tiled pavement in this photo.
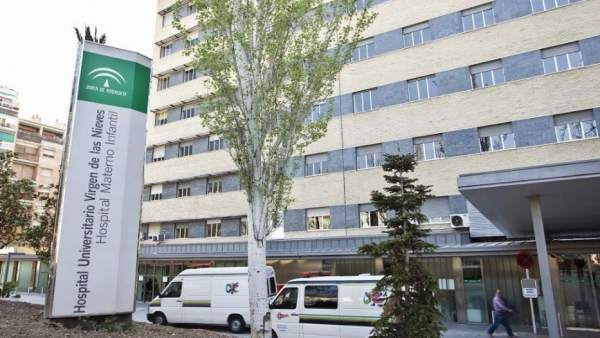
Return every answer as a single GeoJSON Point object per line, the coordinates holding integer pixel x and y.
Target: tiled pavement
{"type": "Point", "coordinates": [480, 331]}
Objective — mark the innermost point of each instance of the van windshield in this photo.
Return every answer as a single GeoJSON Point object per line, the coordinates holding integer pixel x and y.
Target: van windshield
{"type": "Point", "coordinates": [287, 299]}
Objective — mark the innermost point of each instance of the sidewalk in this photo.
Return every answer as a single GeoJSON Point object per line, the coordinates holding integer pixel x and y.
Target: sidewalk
{"type": "Point", "coordinates": [480, 331]}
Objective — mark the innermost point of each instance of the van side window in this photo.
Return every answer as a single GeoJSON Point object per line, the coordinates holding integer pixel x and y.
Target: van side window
{"type": "Point", "coordinates": [287, 299]}
{"type": "Point", "coordinates": [321, 297]}
{"type": "Point", "coordinates": [172, 291]}
{"type": "Point", "coordinates": [272, 286]}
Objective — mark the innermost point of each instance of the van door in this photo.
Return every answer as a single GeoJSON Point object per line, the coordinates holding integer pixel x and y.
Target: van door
{"type": "Point", "coordinates": [360, 306]}
{"type": "Point", "coordinates": [171, 302]}
{"type": "Point", "coordinates": [285, 317]}
{"type": "Point", "coordinates": [196, 300]}
{"type": "Point", "coordinates": [319, 317]}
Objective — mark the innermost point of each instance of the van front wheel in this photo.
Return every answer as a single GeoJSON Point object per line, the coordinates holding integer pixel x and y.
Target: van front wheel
{"type": "Point", "coordinates": [159, 319]}
{"type": "Point", "coordinates": [236, 324]}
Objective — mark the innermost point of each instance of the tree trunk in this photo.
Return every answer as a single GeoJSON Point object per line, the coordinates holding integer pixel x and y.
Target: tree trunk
{"type": "Point", "coordinates": [260, 321]}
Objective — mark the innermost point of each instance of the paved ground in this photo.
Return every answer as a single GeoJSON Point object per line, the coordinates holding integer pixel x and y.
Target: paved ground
{"type": "Point", "coordinates": [454, 330]}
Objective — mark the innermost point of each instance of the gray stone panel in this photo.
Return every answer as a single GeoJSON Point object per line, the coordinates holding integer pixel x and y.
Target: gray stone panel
{"type": "Point", "coordinates": [388, 41]}
{"type": "Point", "coordinates": [173, 114]}
{"type": "Point", "coordinates": [590, 50]}
{"type": "Point", "coordinates": [338, 217]}
{"type": "Point", "coordinates": [294, 220]}
{"type": "Point", "coordinates": [336, 161]}
{"type": "Point", "coordinates": [535, 131]}
{"type": "Point", "coordinates": [391, 94]}
{"type": "Point", "coordinates": [461, 142]}
{"type": "Point", "coordinates": [480, 226]}
{"type": "Point", "coordinates": [452, 81]}
{"type": "Point", "coordinates": [196, 229]}
{"type": "Point", "coordinates": [597, 116]}
{"type": "Point", "coordinates": [349, 159]}
{"type": "Point", "coordinates": [231, 183]}
{"type": "Point", "coordinates": [406, 146]}
{"type": "Point", "coordinates": [201, 145]}
{"type": "Point", "coordinates": [168, 230]}
{"type": "Point", "coordinates": [199, 186]}
{"type": "Point", "coordinates": [176, 78]}
{"type": "Point", "coordinates": [445, 25]}
{"type": "Point", "coordinates": [458, 204]}
{"type": "Point", "coordinates": [390, 147]}
{"type": "Point", "coordinates": [295, 167]}
{"type": "Point", "coordinates": [177, 45]}
{"type": "Point", "coordinates": [146, 194]}
{"type": "Point", "coordinates": [171, 151]}
{"type": "Point", "coordinates": [510, 9]}
{"type": "Point", "coordinates": [352, 218]}
{"type": "Point", "coordinates": [436, 207]}
{"type": "Point", "coordinates": [523, 66]}
{"type": "Point", "coordinates": [149, 155]}
{"type": "Point", "coordinates": [230, 227]}
{"type": "Point", "coordinates": [343, 105]}
{"type": "Point", "coordinates": [169, 190]}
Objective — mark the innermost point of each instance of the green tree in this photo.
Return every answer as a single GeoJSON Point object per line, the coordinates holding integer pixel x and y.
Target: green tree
{"type": "Point", "coordinates": [410, 307]}
{"type": "Point", "coordinates": [16, 205]}
{"type": "Point", "coordinates": [41, 235]}
{"type": "Point", "coordinates": [87, 35]}
{"type": "Point", "coordinates": [267, 62]}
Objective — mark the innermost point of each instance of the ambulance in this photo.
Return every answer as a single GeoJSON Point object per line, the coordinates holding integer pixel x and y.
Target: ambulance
{"type": "Point", "coordinates": [215, 296]}
{"type": "Point", "coordinates": [327, 307]}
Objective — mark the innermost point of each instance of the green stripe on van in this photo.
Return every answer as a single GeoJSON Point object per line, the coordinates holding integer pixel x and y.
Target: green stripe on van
{"type": "Point", "coordinates": [196, 303]}
{"type": "Point", "coordinates": [339, 320]}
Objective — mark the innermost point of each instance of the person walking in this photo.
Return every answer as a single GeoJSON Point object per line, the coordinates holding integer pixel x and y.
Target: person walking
{"type": "Point", "coordinates": [501, 311]}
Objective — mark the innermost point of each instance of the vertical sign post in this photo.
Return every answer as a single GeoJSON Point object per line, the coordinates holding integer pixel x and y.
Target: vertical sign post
{"type": "Point", "coordinates": [95, 251]}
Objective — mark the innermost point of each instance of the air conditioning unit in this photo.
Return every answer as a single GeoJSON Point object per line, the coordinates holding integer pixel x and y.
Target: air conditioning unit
{"type": "Point", "coordinates": [161, 237]}
{"type": "Point", "coordinates": [459, 221]}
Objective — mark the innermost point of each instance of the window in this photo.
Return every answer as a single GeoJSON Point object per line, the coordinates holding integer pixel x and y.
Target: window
{"type": "Point", "coordinates": [575, 126]}
{"type": "Point", "coordinates": [316, 164]}
{"type": "Point", "coordinates": [487, 74]}
{"type": "Point", "coordinates": [363, 101]}
{"type": "Point", "coordinates": [50, 153]}
{"type": "Point", "coordinates": [214, 187]}
{"type": "Point", "coordinates": [361, 4]}
{"type": "Point", "coordinates": [370, 217]}
{"type": "Point", "coordinates": [172, 291]}
{"type": "Point", "coordinates": [544, 5]}
{"type": "Point", "coordinates": [416, 34]}
{"type": "Point", "coordinates": [318, 219]}
{"type": "Point", "coordinates": [429, 148]}
{"type": "Point", "coordinates": [215, 143]}
{"type": "Point", "coordinates": [320, 297]}
{"type": "Point", "coordinates": [319, 110]}
{"type": "Point", "coordinates": [184, 189]}
{"type": "Point", "coordinates": [189, 75]}
{"type": "Point", "coordinates": [187, 112]}
{"type": "Point", "coordinates": [156, 192]}
{"type": "Point", "coordinates": [158, 154]}
{"type": "Point", "coordinates": [498, 137]}
{"type": "Point", "coordinates": [167, 19]}
{"type": "Point", "coordinates": [272, 286]}
{"type": "Point", "coordinates": [421, 88]}
{"type": "Point", "coordinates": [181, 231]}
{"type": "Point", "coordinates": [160, 118]}
{"type": "Point", "coordinates": [560, 58]}
{"type": "Point", "coordinates": [286, 300]}
{"type": "Point", "coordinates": [164, 83]}
{"type": "Point", "coordinates": [166, 50]}
{"type": "Point", "coordinates": [213, 228]}
{"type": "Point", "coordinates": [363, 50]}
{"type": "Point", "coordinates": [243, 226]}
{"type": "Point", "coordinates": [478, 17]}
{"type": "Point", "coordinates": [185, 149]}
{"type": "Point", "coordinates": [46, 172]}
{"type": "Point", "coordinates": [369, 157]}
{"type": "Point", "coordinates": [436, 210]}
{"type": "Point", "coordinates": [189, 10]}
{"type": "Point", "coordinates": [192, 42]}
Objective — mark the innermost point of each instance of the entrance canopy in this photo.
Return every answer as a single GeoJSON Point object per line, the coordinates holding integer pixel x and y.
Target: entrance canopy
{"type": "Point", "coordinates": [569, 195]}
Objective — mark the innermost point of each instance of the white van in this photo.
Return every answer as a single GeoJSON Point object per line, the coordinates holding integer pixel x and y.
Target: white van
{"type": "Point", "coordinates": [217, 296]}
{"type": "Point", "coordinates": [327, 307]}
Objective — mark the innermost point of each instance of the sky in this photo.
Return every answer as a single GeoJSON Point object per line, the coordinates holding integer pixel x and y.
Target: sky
{"type": "Point", "coordinates": [38, 45]}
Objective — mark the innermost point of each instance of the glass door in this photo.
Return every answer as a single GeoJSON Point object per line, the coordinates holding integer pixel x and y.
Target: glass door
{"type": "Point", "coordinates": [579, 277]}
{"type": "Point", "coordinates": [475, 298]}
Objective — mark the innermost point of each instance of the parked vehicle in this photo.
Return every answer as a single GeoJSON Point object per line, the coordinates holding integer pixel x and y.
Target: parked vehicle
{"type": "Point", "coordinates": [217, 296]}
{"type": "Point", "coordinates": [327, 307]}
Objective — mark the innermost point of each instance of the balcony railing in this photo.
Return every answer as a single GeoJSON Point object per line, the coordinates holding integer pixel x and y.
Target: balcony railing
{"type": "Point", "coordinates": [27, 136]}
{"type": "Point", "coordinates": [52, 138]}
{"type": "Point", "coordinates": [7, 125]}
{"type": "Point", "coordinates": [27, 157]}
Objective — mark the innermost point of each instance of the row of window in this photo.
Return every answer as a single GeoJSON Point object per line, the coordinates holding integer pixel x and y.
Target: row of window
{"type": "Point", "coordinates": [165, 82]}
{"type": "Point", "coordinates": [212, 229]}
{"type": "Point", "coordinates": [473, 18]}
{"type": "Point", "coordinates": [187, 148]}
{"type": "Point", "coordinates": [174, 46]}
{"type": "Point", "coordinates": [185, 112]}
{"type": "Point", "coordinates": [554, 59]}
{"type": "Point", "coordinates": [184, 189]}
{"type": "Point", "coordinates": [320, 219]}
{"type": "Point", "coordinates": [186, 10]}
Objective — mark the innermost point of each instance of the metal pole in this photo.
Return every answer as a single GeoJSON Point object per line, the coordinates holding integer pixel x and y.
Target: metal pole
{"type": "Point", "coordinates": [531, 307]}
{"type": "Point", "coordinates": [6, 270]}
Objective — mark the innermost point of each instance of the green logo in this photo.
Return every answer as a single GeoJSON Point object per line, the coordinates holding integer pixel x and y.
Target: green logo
{"type": "Point", "coordinates": [114, 81]}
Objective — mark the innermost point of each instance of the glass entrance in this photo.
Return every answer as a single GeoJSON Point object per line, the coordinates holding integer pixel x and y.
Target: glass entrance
{"type": "Point", "coordinates": [580, 289]}
{"type": "Point", "coordinates": [474, 291]}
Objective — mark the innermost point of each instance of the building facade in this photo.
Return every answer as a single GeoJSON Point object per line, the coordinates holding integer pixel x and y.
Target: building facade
{"type": "Point", "coordinates": [9, 114]}
{"type": "Point", "coordinates": [38, 153]}
{"type": "Point", "coordinates": [468, 86]}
